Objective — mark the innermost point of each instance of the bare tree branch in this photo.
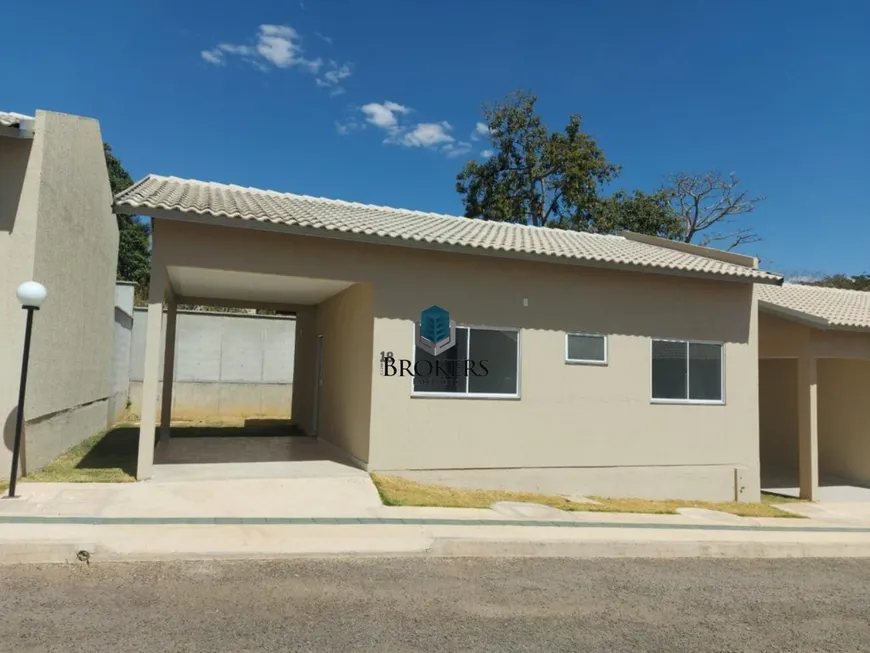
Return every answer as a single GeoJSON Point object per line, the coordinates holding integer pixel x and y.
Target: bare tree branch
{"type": "Point", "coordinates": [710, 201]}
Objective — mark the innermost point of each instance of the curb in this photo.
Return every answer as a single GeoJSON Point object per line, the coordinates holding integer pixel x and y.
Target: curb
{"type": "Point", "coordinates": [461, 547]}
{"type": "Point", "coordinates": [49, 520]}
{"type": "Point", "coordinates": [85, 553]}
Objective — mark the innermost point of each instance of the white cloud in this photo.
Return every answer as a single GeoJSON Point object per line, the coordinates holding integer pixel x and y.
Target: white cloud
{"type": "Point", "coordinates": [278, 45]}
{"type": "Point", "coordinates": [481, 130]}
{"type": "Point", "coordinates": [384, 115]}
{"type": "Point", "coordinates": [347, 127]}
{"type": "Point", "coordinates": [215, 56]}
{"type": "Point", "coordinates": [328, 39]}
{"type": "Point", "coordinates": [389, 116]}
{"type": "Point", "coordinates": [428, 134]}
{"type": "Point", "coordinates": [333, 77]}
{"type": "Point", "coordinates": [487, 154]}
{"type": "Point", "coordinates": [459, 148]}
{"type": "Point", "coordinates": [337, 74]}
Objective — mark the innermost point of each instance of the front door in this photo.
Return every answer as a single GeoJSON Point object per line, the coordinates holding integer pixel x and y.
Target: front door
{"type": "Point", "coordinates": [318, 384]}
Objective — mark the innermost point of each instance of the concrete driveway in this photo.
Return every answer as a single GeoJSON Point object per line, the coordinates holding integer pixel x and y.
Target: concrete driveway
{"type": "Point", "coordinates": [315, 481]}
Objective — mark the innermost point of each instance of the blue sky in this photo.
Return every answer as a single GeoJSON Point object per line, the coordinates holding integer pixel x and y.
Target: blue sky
{"type": "Point", "coordinates": [329, 100]}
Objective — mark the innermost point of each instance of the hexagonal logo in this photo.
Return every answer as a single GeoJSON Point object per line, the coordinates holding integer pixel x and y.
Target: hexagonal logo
{"type": "Point", "coordinates": [436, 332]}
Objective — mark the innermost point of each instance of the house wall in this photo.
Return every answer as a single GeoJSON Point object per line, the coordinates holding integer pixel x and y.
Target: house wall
{"type": "Point", "coordinates": [20, 170]}
{"type": "Point", "coordinates": [575, 428]}
{"type": "Point", "coordinates": [304, 368]}
{"type": "Point", "coordinates": [65, 236]}
{"type": "Point", "coordinates": [227, 365]}
{"type": "Point", "coordinates": [778, 411]}
{"type": "Point", "coordinates": [346, 323]}
{"type": "Point", "coordinates": [844, 418]}
{"type": "Point", "coordinates": [76, 257]}
{"type": "Point", "coordinates": [119, 385]}
{"type": "Point", "coordinates": [780, 337]}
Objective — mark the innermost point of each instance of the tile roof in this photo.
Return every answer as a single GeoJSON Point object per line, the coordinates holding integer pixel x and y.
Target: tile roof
{"type": "Point", "coordinates": [832, 307]}
{"type": "Point", "coordinates": [11, 119]}
{"type": "Point", "coordinates": [416, 228]}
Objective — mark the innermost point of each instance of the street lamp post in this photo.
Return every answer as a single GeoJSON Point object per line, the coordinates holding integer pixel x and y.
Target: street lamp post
{"type": "Point", "coordinates": [31, 295]}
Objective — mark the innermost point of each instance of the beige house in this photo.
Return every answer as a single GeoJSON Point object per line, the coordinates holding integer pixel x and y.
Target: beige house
{"type": "Point", "coordinates": [615, 365]}
{"type": "Point", "coordinates": [814, 387]}
{"type": "Point", "coordinates": [56, 227]}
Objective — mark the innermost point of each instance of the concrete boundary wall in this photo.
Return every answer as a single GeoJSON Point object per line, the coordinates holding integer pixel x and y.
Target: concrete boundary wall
{"type": "Point", "coordinates": [227, 365]}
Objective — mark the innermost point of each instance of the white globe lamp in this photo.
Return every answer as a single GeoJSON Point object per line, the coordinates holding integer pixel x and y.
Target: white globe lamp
{"type": "Point", "coordinates": [31, 294]}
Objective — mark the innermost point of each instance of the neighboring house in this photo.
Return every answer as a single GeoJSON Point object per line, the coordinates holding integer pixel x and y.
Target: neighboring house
{"type": "Point", "coordinates": [814, 369]}
{"type": "Point", "coordinates": [617, 365]}
{"type": "Point", "coordinates": [56, 227]}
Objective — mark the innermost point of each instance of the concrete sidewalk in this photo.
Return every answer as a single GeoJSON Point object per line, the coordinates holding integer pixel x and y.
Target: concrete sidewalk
{"type": "Point", "coordinates": [21, 543]}
{"type": "Point", "coordinates": [266, 518]}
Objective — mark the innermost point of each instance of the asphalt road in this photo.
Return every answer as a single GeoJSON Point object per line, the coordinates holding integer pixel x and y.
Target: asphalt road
{"type": "Point", "coordinates": [417, 604]}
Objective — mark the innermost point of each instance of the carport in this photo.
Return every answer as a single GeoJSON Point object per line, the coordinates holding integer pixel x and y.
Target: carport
{"type": "Point", "coordinates": [814, 392]}
{"type": "Point", "coordinates": [204, 258]}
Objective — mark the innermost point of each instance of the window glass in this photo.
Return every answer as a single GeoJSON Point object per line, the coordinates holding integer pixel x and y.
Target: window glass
{"type": "Point", "coordinates": [494, 354]}
{"type": "Point", "coordinates": [445, 372]}
{"type": "Point", "coordinates": [583, 347]}
{"type": "Point", "coordinates": [705, 371]}
{"type": "Point", "coordinates": [669, 369]}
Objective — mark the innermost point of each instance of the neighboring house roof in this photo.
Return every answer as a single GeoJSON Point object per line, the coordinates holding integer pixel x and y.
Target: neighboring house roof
{"type": "Point", "coordinates": [361, 222]}
{"type": "Point", "coordinates": [12, 119]}
{"type": "Point", "coordinates": [820, 307]}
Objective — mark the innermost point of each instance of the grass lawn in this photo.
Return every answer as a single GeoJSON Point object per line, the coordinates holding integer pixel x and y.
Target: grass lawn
{"type": "Point", "coordinates": [108, 457]}
{"type": "Point", "coordinates": [402, 492]}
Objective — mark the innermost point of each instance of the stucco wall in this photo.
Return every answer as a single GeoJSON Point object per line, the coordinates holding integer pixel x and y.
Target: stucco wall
{"type": "Point", "coordinates": [844, 418]}
{"type": "Point", "coordinates": [226, 365]}
{"type": "Point", "coordinates": [119, 384]}
{"type": "Point", "coordinates": [346, 323]}
{"type": "Point", "coordinates": [778, 410]}
{"type": "Point", "coordinates": [68, 242]}
{"type": "Point", "coordinates": [574, 417]}
{"type": "Point", "coordinates": [20, 170]}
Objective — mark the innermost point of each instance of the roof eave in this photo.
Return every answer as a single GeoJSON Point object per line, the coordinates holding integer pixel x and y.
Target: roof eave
{"type": "Point", "coordinates": [120, 206]}
{"type": "Point", "coordinates": [808, 319]}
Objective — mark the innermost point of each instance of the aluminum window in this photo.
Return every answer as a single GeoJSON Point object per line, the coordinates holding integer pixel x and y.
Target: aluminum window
{"type": "Point", "coordinates": [484, 363]}
{"type": "Point", "coordinates": [686, 371]}
{"type": "Point", "coordinates": [586, 348]}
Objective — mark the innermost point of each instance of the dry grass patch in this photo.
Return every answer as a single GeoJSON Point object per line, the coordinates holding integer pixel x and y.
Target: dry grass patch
{"type": "Point", "coordinates": [108, 457]}
{"type": "Point", "coordinates": [396, 491]}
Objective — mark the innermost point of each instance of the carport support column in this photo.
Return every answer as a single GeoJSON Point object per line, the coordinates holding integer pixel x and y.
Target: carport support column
{"type": "Point", "coordinates": [808, 427]}
{"type": "Point", "coordinates": [168, 370]}
{"type": "Point", "coordinates": [151, 372]}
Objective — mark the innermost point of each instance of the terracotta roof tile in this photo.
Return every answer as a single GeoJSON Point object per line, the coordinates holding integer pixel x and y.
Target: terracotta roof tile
{"type": "Point", "coordinates": [415, 227]}
{"type": "Point", "coordinates": [837, 308]}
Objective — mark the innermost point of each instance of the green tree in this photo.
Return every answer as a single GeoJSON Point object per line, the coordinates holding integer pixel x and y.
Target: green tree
{"type": "Point", "coordinates": [551, 179]}
{"type": "Point", "coordinates": [134, 247]}
{"type": "Point", "coordinates": [844, 282]}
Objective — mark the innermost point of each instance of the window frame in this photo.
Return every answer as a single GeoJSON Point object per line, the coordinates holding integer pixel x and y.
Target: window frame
{"type": "Point", "coordinates": [416, 394]}
{"type": "Point", "coordinates": [687, 401]}
{"type": "Point", "coordinates": [582, 361]}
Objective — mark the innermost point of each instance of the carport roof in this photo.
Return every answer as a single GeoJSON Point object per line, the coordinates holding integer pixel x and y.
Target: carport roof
{"type": "Point", "coordinates": [171, 197]}
{"type": "Point", "coordinates": [821, 307]}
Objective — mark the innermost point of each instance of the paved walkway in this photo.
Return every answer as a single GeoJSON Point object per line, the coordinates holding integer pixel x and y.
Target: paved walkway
{"type": "Point", "coordinates": [333, 514]}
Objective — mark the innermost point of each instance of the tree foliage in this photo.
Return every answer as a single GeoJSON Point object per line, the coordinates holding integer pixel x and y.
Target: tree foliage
{"type": "Point", "coordinates": [556, 179]}
{"type": "Point", "coordinates": [134, 248]}
{"type": "Point", "coordinates": [844, 282]}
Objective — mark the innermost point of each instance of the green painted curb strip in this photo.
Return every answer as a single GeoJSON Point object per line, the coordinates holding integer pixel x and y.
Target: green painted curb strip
{"type": "Point", "coordinates": [396, 521]}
